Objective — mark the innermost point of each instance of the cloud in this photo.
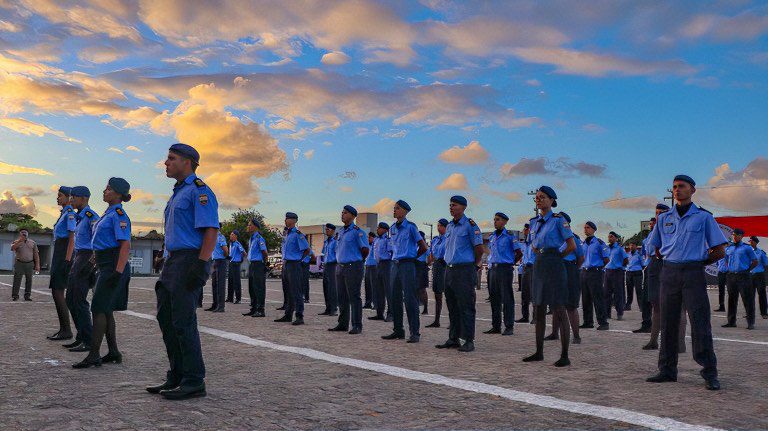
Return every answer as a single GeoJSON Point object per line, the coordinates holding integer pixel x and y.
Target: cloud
{"type": "Point", "coordinates": [11, 204]}
{"type": "Point", "coordinates": [84, 21]}
{"type": "Point", "coordinates": [346, 189]}
{"type": "Point", "coordinates": [744, 26]}
{"type": "Point", "coordinates": [633, 203]}
{"type": "Point", "coordinates": [581, 167]}
{"type": "Point", "coordinates": [744, 190]}
{"type": "Point", "coordinates": [133, 148]}
{"type": "Point", "coordinates": [309, 154]}
{"type": "Point", "coordinates": [454, 181]}
{"type": "Point", "coordinates": [533, 82]}
{"type": "Point", "coordinates": [8, 169]}
{"type": "Point", "coordinates": [335, 58]}
{"type": "Point", "coordinates": [472, 154]}
{"type": "Point", "coordinates": [544, 166]}
{"type": "Point", "coordinates": [349, 175]}
{"type": "Point", "coordinates": [525, 167]}
{"type": "Point", "coordinates": [115, 150]}
{"type": "Point", "coordinates": [592, 127]}
{"type": "Point", "coordinates": [101, 54]}
{"type": "Point", "coordinates": [29, 128]}
{"type": "Point", "coordinates": [142, 196]}
{"type": "Point", "coordinates": [31, 191]}
{"type": "Point", "coordinates": [510, 196]}
{"type": "Point", "coordinates": [383, 207]}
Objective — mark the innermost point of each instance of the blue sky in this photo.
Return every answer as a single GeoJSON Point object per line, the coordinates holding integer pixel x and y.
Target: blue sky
{"type": "Point", "coordinates": [362, 102]}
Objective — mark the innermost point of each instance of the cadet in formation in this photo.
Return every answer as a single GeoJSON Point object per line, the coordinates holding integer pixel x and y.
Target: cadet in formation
{"type": "Point", "coordinates": [330, 293]}
{"type": "Point", "coordinates": [63, 248]}
{"type": "Point", "coordinates": [257, 270]}
{"type": "Point", "coordinates": [370, 273]}
{"type": "Point", "coordinates": [613, 279]}
{"type": "Point", "coordinates": [236, 254]}
{"type": "Point", "coordinates": [191, 228]}
{"type": "Point", "coordinates": [407, 245]}
{"type": "Point", "coordinates": [463, 258]}
{"type": "Point", "coordinates": [741, 260]}
{"type": "Point", "coordinates": [593, 300]}
{"type": "Point", "coordinates": [504, 252]}
{"type": "Point", "coordinates": [634, 276]}
{"type": "Point", "coordinates": [305, 264]}
{"type": "Point", "coordinates": [111, 243]}
{"type": "Point", "coordinates": [382, 250]}
{"type": "Point", "coordinates": [295, 249]}
{"type": "Point", "coordinates": [688, 238]}
{"type": "Point", "coordinates": [351, 250]}
{"type": "Point", "coordinates": [572, 263]}
{"type": "Point", "coordinates": [526, 270]}
{"type": "Point", "coordinates": [219, 273]}
{"type": "Point", "coordinates": [758, 276]}
{"type": "Point", "coordinates": [722, 281]}
{"type": "Point", "coordinates": [437, 260]}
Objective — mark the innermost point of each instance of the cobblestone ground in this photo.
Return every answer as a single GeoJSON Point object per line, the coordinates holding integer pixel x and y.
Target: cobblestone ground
{"type": "Point", "coordinates": [254, 386]}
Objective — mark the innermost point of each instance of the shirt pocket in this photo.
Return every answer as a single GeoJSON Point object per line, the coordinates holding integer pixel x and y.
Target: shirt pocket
{"type": "Point", "coordinates": [694, 232]}
{"type": "Point", "coordinates": [669, 228]}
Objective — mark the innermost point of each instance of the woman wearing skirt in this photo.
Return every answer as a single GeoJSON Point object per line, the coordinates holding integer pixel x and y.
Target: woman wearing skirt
{"type": "Point", "coordinates": [63, 248]}
{"type": "Point", "coordinates": [572, 263]}
{"type": "Point", "coordinates": [548, 232]}
{"type": "Point", "coordinates": [111, 245]}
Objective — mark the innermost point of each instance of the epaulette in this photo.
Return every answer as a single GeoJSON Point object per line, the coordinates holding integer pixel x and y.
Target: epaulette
{"type": "Point", "coordinates": [199, 182]}
{"type": "Point", "coordinates": [600, 241]}
{"type": "Point", "coordinates": [705, 210]}
{"type": "Point", "coordinates": [556, 215]}
{"type": "Point", "coordinates": [299, 232]}
{"type": "Point", "coordinates": [70, 210]}
{"type": "Point", "coordinates": [356, 227]}
{"type": "Point", "coordinates": [88, 214]}
{"type": "Point", "coordinates": [472, 222]}
{"type": "Point", "coordinates": [577, 237]}
{"type": "Point", "coordinates": [120, 212]}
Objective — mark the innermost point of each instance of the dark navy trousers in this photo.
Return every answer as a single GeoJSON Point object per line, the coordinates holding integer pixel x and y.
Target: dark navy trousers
{"type": "Point", "coordinates": [293, 278]}
{"type": "Point", "coordinates": [234, 284]}
{"type": "Point", "coordinates": [349, 277]}
{"type": "Point", "coordinates": [460, 281]}
{"type": "Point", "coordinates": [219, 283]}
{"type": "Point", "coordinates": [330, 292]}
{"type": "Point", "coordinates": [405, 290]}
{"type": "Point", "coordinates": [383, 288]}
{"type": "Point", "coordinates": [502, 295]}
{"type": "Point", "coordinates": [592, 297]}
{"type": "Point", "coordinates": [257, 285]}
{"type": "Point", "coordinates": [82, 277]}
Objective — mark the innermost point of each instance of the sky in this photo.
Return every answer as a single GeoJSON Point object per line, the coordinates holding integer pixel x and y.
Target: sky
{"type": "Point", "coordinates": [308, 106]}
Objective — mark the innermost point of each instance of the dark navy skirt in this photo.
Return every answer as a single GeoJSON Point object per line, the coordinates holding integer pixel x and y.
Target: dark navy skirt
{"type": "Point", "coordinates": [574, 284]}
{"type": "Point", "coordinates": [110, 296]}
{"type": "Point", "coordinates": [59, 266]}
{"type": "Point", "coordinates": [550, 280]}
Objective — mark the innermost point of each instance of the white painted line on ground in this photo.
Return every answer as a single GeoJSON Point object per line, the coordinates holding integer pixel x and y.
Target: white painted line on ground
{"type": "Point", "coordinates": [603, 412]}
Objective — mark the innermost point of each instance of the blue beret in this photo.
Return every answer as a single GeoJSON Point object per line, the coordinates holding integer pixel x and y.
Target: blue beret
{"type": "Point", "coordinates": [119, 185]}
{"type": "Point", "coordinates": [547, 190]}
{"type": "Point", "coordinates": [502, 215]}
{"type": "Point", "coordinates": [236, 232]}
{"type": "Point", "coordinates": [527, 226]}
{"type": "Point", "coordinates": [614, 234]}
{"type": "Point", "coordinates": [755, 239]}
{"type": "Point", "coordinates": [423, 235]}
{"type": "Point", "coordinates": [383, 225]}
{"type": "Point", "coordinates": [653, 219]}
{"type": "Point", "coordinates": [442, 222]}
{"type": "Point", "coordinates": [565, 216]}
{"type": "Point", "coordinates": [65, 190]}
{"type": "Point", "coordinates": [662, 207]}
{"type": "Point", "coordinates": [330, 226]}
{"type": "Point", "coordinates": [81, 191]}
{"type": "Point", "coordinates": [461, 200]}
{"type": "Point", "coordinates": [350, 209]}
{"type": "Point", "coordinates": [738, 231]}
{"type": "Point", "coordinates": [291, 215]}
{"type": "Point", "coordinates": [371, 234]}
{"type": "Point", "coordinates": [256, 223]}
{"type": "Point", "coordinates": [186, 151]}
{"type": "Point", "coordinates": [403, 204]}
{"type": "Point", "coordinates": [685, 178]}
{"type": "Point", "coordinates": [592, 225]}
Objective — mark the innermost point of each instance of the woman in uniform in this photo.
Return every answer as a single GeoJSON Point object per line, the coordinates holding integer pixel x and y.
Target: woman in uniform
{"type": "Point", "coordinates": [63, 248]}
{"type": "Point", "coordinates": [111, 245]}
{"type": "Point", "coordinates": [572, 263]}
{"type": "Point", "coordinates": [422, 277]}
{"type": "Point", "coordinates": [550, 280]}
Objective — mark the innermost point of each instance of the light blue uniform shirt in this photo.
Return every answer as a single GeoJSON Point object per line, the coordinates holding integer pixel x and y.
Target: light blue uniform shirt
{"type": "Point", "coordinates": [741, 257]}
{"type": "Point", "coordinates": [404, 238]}
{"type": "Point", "coordinates": [86, 219]}
{"type": "Point", "coordinates": [236, 252]}
{"type": "Point", "coordinates": [437, 247]}
{"type": "Point", "coordinates": [502, 245]}
{"type": "Point", "coordinates": [382, 247]}
{"type": "Point", "coordinates": [595, 250]}
{"type": "Point", "coordinates": [309, 255]}
{"type": "Point", "coordinates": [572, 256]}
{"type": "Point", "coordinates": [549, 231]}
{"type": "Point", "coordinates": [422, 257]}
{"type": "Point", "coordinates": [218, 251]}
{"type": "Point", "coordinates": [722, 265]}
{"type": "Point", "coordinates": [688, 238]}
{"type": "Point", "coordinates": [648, 251]}
{"type": "Point", "coordinates": [370, 260]}
{"type": "Point", "coordinates": [616, 257]}
{"type": "Point", "coordinates": [329, 249]}
{"type": "Point", "coordinates": [294, 244]}
{"type": "Point", "coordinates": [66, 223]}
{"type": "Point", "coordinates": [461, 238]}
{"type": "Point", "coordinates": [762, 261]}
{"type": "Point", "coordinates": [635, 261]}
{"type": "Point", "coordinates": [112, 227]}
{"type": "Point", "coordinates": [529, 257]}
{"type": "Point", "coordinates": [191, 209]}
{"type": "Point", "coordinates": [351, 240]}
{"type": "Point", "coordinates": [256, 246]}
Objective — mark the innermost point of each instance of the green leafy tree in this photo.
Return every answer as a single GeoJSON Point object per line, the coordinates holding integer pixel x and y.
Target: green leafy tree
{"type": "Point", "coordinates": [21, 221]}
{"type": "Point", "coordinates": [239, 222]}
{"type": "Point", "coordinates": [638, 237]}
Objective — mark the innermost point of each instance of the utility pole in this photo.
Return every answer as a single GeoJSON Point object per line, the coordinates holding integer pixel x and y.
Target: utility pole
{"type": "Point", "coordinates": [430, 231]}
{"type": "Point", "coordinates": [535, 209]}
{"type": "Point", "coordinates": [670, 198]}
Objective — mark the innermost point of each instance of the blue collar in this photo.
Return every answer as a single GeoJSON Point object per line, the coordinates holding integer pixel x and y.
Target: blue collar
{"type": "Point", "coordinates": [114, 207]}
{"type": "Point", "coordinates": [461, 220]}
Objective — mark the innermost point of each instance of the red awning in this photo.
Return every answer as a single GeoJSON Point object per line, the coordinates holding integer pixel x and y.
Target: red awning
{"type": "Point", "coordinates": [754, 225]}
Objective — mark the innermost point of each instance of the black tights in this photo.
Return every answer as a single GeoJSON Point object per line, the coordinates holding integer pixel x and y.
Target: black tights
{"type": "Point", "coordinates": [540, 315]}
{"type": "Point", "coordinates": [103, 324]}
{"type": "Point", "coordinates": [62, 311]}
{"type": "Point", "coordinates": [438, 306]}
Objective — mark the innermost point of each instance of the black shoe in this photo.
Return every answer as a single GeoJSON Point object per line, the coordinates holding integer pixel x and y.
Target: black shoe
{"type": "Point", "coordinates": [334, 313]}
{"type": "Point", "coordinates": [338, 329]}
{"type": "Point", "coordinates": [413, 339]}
{"type": "Point", "coordinates": [285, 318]}
{"type": "Point", "coordinates": [211, 308]}
{"type": "Point", "coordinates": [324, 313]}
{"type": "Point", "coordinates": [59, 336]}
{"type": "Point", "coordinates": [258, 314]}
{"type": "Point", "coordinates": [298, 321]}
{"type": "Point", "coordinates": [586, 326]}
{"type": "Point", "coordinates": [450, 344]}
{"type": "Point", "coordinates": [388, 319]}
{"type": "Point", "coordinates": [71, 345]}
{"type": "Point", "coordinates": [603, 327]}
{"type": "Point", "coordinates": [87, 363]}
{"type": "Point", "coordinates": [651, 346]}
{"type": "Point", "coordinates": [27, 298]}
{"type": "Point", "coordinates": [521, 320]}
{"type": "Point", "coordinates": [661, 378]}
{"type": "Point", "coordinates": [642, 330]}
{"type": "Point", "coordinates": [355, 331]}
{"type": "Point", "coordinates": [433, 325]}
{"type": "Point", "coordinates": [563, 362]}
{"type": "Point", "coordinates": [81, 348]}
{"type": "Point", "coordinates": [509, 331]}
{"type": "Point", "coordinates": [306, 301]}
{"type": "Point", "coordinates": [368, 306]}
{"type": "Point", "coordinates": [721, 308]}
{"type": "Point", "coordinates": [712, 384]}
{"type": "Point", "coordinates": [218, 310]}
{"type": "Point", "coordinates": [628, 308]}
{"type": "Point", "coordinates": [729, 325]}
{"type": "Point", "coordinates": [162, 387]}
{"type": "Point", "coordinates": [394, 336]}
{"type": "Point", "coordinates": [250, 313]}
{"type": "Point", "coordinates": [492, 331]}
{"type": "Point", "coordinates": [184, 392]}
{"type": "Point", "coordinates": [280, 308]}
{"type": "Point", "coordinates": [15, 298]}
{"type": "Point", "coordinates": [375, 318]}
{"type": "Point", "coordinates": [228, 300]}
{"type": "Point", "coordinates": [551, 337]}
{"type": "Point", "coordinates": [468, 346]}
{"type": "Point", "coordinates": [425, 311]}
{"type": "Point", "coordinates": [536, 357]}
{"type": "Point", "coordinates": [576, 340]}
{"type": "Point", "coordinates": [237, 302]}
{"type": "Point", "coordinates": [751, 326]}
{"type": "Point", "coordinates": [110, 357]}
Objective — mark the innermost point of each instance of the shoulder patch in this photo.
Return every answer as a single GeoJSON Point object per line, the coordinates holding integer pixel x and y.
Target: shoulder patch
{"type": "Point", "coordinates": [120, 212]}
{"type": "Point", "coordinates": [356, 227]}
{"type": "Point", "coordinates": [472, 222]}
{"type": "Point", "coordinates": [203, 198]}
{"type": "Point", "coordinates": [705, 210]}
{"type": "Point", "coordinates": [556, 215]}
{"type": "Point", "coordinates": [199, 182]}
{"type": "Point", "coordinates": [70, 210]}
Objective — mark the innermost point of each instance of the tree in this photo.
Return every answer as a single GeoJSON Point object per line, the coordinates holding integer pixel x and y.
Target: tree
{"type": "Point", "coordinates": [21, 221]}
{"type": "Point", "coordinates": [239, 222]}
{"type": "Point", "coordinates": [638, 237]}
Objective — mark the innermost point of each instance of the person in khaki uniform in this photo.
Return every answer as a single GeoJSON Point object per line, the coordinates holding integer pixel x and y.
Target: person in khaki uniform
{"type": "Point", "coordinates": [26, 259]}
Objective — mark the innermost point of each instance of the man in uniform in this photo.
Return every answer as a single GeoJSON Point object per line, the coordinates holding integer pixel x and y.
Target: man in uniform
{"type": "Point", "coordinates": [370, 272]}
{"type": "Point", "coordinates": [463, 256]}
{"type": "Point", "coordinates": [741, 260]}
{"type": "Point", "coordinates": [688, 238]}
{"type": "Point", "coordinates": [219, 274]}
{"type": "Point", "coordinates": [526, 268]}
{"type": "Point", "coordinates": [257, 270]}
{"type": "Point", "coordinates": [407, 245]}
{"type": "Point", "coordinates": [505, 251]}
{"type": "Point", "coordinates": [351, 250]}
{"type": "Point", "coordinates": [382, 250]}
{"type": "Point", "coordinates": [330, 292]}
{"type": "Point", "coordinates": [305, 263]}
{"type": "Point", "coordinates": [26, 258]}
{"type": "Point", "coordinates": [295, 249]}
{"type": "Point", "coordinates": [614, 276]}
{"type": "Point", "coordinates": [437, 260]}
{"type": "Point", "coordinates": [191, 227]}
{"type": "Point", "coordinates": [758, 276]}
{"type": "Point", "coordinates": [634, 275]}
{"type": "Point", "coordinates": [595, 258]}
{"type": "Point", "coordinates": [236, 253]}
{"type": "Point", "coordinates": [722, 282]}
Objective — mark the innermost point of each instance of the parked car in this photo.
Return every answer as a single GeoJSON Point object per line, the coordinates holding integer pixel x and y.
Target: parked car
{"type": "Point", "coordinates": [275, 266]}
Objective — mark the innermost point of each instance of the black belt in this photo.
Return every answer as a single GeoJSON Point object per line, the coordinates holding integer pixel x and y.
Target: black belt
{"type": "Point", "coordinates": [21, 261]}
{"type": "Point", "coordinates": [357, 262]}
{"type": "Point", "coordinates": [502, 265]}
{"type": "Point", "coordinates": [529, 265]}
{"type": "Point", "coordinates": [614, 269]}
{"type": "Point", "coordinates": [441, 261]}
{"type": "Point", "coordinates": [460, 265]}
{"type": "Point", "coordinates": [739, 272]}
{"type": "Point", "coordinates": [238, 262]}
{"type": "Point", "coordinates": [700, 264]}
{"type": "Point", "coordinates": [550, 250]}
{"type": "Point", "coordinates": [291, 261]}
{"type": "Point", "coordinates": [593, 268]}
{"type": "Point", "coordinates": [183, 251]}
{"type": "Point", "coordinates": [408, 259]}
{"type": "Point", "coordinates": [223, 258]}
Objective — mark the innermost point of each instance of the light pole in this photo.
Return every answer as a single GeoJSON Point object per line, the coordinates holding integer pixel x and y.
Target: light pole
{"type": "Point", "coordinates": [430, 230]}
